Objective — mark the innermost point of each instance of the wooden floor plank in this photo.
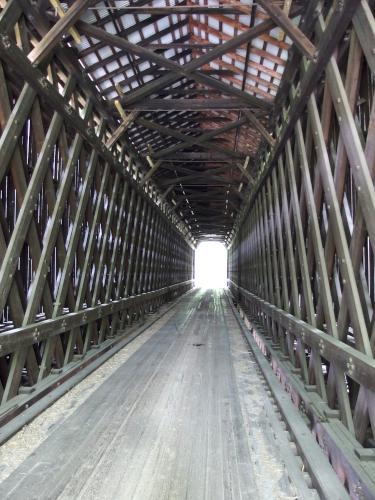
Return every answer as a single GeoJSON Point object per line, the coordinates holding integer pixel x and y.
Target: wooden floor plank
{"type": "Point", "coordinates": [173, 422]}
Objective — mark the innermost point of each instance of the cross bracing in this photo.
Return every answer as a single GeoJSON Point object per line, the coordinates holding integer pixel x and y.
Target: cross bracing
{"type": "Point", "coordinates": [132, 130]}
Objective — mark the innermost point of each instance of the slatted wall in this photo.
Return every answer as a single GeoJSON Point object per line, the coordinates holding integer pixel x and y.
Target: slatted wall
{"type": "Point", "coordinates": [84, 250]}
{"type": "Point", "coordinates": [301, 264]}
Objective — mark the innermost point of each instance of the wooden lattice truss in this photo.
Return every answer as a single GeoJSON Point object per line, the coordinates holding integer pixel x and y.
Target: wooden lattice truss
{"type": "Point", "coordinates": [302, 253]}
{"type": "Point", "coordinates": [191, 87]}
{"type": "Point", "coordinates": [130, 131]}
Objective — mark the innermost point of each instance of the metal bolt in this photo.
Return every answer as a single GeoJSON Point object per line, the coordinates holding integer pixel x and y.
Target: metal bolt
{"type": "Point", "coordinates": [5, 41]}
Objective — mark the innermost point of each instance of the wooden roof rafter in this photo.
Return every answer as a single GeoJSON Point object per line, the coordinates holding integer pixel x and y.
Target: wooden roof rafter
{"type": "Point", "coordinates": [189, 72]}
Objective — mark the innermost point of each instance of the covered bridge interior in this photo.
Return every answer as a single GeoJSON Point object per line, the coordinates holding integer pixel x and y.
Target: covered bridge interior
{"type": "Point", "coordinates": [130, 132]}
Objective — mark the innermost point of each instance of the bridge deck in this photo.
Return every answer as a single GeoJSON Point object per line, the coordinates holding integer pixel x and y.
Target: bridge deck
{"type": "Point", "coordinates": [185, 417]}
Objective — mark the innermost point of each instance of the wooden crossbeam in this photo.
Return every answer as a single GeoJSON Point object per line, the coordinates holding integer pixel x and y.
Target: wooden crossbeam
{"type": "Point", "coordinates": [53, 37]}
{"type": "Point", "coordinates": [243, 169]}
{"type": "Point", "coordinates": [127, 121]}
{"type": "Point", "coordinates": [282, 20]}
{"type": "Point", "coordinates": [166, 192]}
{"type": "Point", "coordinates": [189, 70]}
{"type": "Point", "coordinates": [10, 53]}
{"type": "Point", "coordinates": [9, 15]}
{"type": "Point", "coordinates": [180, 45]}
{"type": "Point", "coordinates": [64, 54]}
{"type": "Point", "coordinates": [150, 173]}
{"type": "Point", "coordinates": [179, 91]}
{"type": "Point", "coordinates": [210, 173]}
{"type": "Point", "coordinates": [194, 196]}
{"type": "Point", "coordinates": [307, 24]}
{"type": "Point", "coordinates": [156, 72]}
{"type": "Point", "coordinates": [193, 105]}
{"type": "Point", "coordinates": [232, 44]}
{"type": "Point", "coordinates": [326, 46]}
{"type": "Point", "coordinates": [188, 140]}
{"type": "Point", "coordinates": [154, 38]}
{"type": "Point", "coordinates": [339, 21]}
{"type": "Point", "coordinates": [194, 177]}
{"type": "Point", "coordinates": [61, 13]}
{"type": "Point", "coordinates": [178, 9]}
{"type": "Point", "coordinates": [260, 128]}
{"type": "Point", "coordinates": [198, 156]}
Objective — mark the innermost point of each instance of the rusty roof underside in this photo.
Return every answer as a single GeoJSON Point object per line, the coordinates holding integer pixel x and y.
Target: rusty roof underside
{"type": "Point", "coordinates": [192, 85]}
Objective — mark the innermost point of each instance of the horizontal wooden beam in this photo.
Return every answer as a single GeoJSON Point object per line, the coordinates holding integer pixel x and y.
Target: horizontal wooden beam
{"type": "Point", "coordinates": [25, 335]}
{"type": "Point", "coordinates": [210, 173]}
{"type": "Point", "coordinates": [153, 71]}
{"type": "Point", "coordinates": [188, 91]}
{"type": "Point", "coordinates": [179, 9]}
{"type": "Point", "coordinates": [188, 141]}
{"type": "Point", "coordinates": [189, 104]}
{"type": "Point", "coordinates": [198, 156]}
{"type": "Point", "coordinates": [201, 176]}
{"type": "Point", "coordinates": [334, 349]}
{"type": "Point", "coordinates": [202, 195]}
{"type": "Point", "coordinates": [180, 45]}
